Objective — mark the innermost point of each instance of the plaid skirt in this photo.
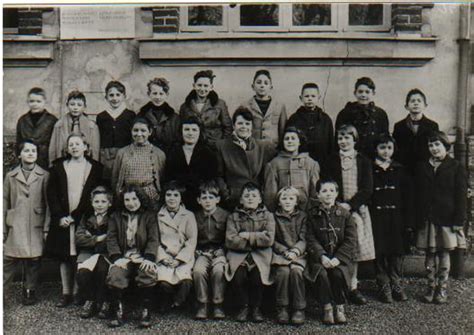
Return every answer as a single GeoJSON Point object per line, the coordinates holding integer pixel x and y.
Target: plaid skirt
{"type": "Point", "coordinates": [365, 239]}
{"type": "Point", "coordinates": [433, 238]}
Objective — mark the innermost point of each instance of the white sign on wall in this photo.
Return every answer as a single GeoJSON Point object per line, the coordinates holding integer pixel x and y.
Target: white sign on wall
{"type": "Point", "coordinates": [97, 22]}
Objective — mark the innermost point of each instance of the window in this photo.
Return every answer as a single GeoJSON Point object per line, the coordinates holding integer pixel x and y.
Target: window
{"type": "Point", "coordinates": [373, 17]}
{"type": "Point", "coordinates": [204, 18]}
{"type": "Point", "coordinates": [307, 17]}
{"type": "Point", "coordinates": [10, 20]}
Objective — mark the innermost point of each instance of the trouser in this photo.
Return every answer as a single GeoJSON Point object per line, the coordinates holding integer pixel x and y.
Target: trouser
{"type": "Point", "coordinates": [178, 292]}
{"type": "Point", "coordinates": [354, 280]}
{"type": "Point", "coordinates": [120, 278]}
{"type": "Point", "coordinates": [92, 284]}
{"type": "Point", "coordinates": [437, 268]}
{"type": "Point", "coordinates": [67, 270]}
{"type": "Point", "coordinates": [331, 286]}
{"type": "Point", "coordinates": [208, 276]}
{"type": "Point", "coordinates": [248, 286]}
{"type": "Point", "coordinates": [388, 270]}
{"type": "Point", "coordinates": [289, 278]}
{"type": "Point", "coordinates": [30, 269]}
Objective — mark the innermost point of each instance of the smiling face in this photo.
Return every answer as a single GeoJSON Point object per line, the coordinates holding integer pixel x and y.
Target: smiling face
{"type": "Point", "coordinates": [345, 142]}
{"type": "Point", "coordinates": [76, 147]}
{"type": "Point", "coordinates": [243, 127]}
{"type": "Point", "coordinates": [288, 201]}
{"type": "Point", "coordinates": [140, 133]}
{"type": "Point", "coordinates": [203, 87]}
{"type": "Point", "coordinates": [437, 149]}
{"type": "Point", "coordinates": [291, 142]}
{"type": "Point", "coordinates": [385, 151]}
{"type": "Point", "coordinates": [131, 202]}
{"type": "Point", "coordinates": [157, 95]}
{"type": "Point", "coordinates": [310, 97]}
{"type": "Point", "coordinates": [416, 104]}
{"type": "Point", "coordinates": [36, 103]}
{"type": "Point", "coordinates": [250, 199]}
{"type": "Point", "coordinates": [101, 203]}
{"type": "Point", "coordinates": [364, 94]}
{"type": "Point", "coordinates": [173, 200]}
{"type": "Point", "coordinates": [28, 154]}
{"type": "Point", "coordinates": [327, 194]}
{"type": "Point", "coordinates": [191, 133]}
{"type": "Point", "coordinates": [208, 201]}
{"type": "Point", "coordinates": [76, 107]}
{"type": "Point", "coordinates": [262, 86]}
{"type": "Point", "coordinates": [114, 97]}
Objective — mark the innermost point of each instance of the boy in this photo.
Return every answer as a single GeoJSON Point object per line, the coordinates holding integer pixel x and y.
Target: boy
{"type": "Point", "coordinates": [37, 124]}
{"type": "Point", "coordinates": [210, 256]}
{"type": "Point", "coordinates": [314, 123]}
{"type": "Point", "coordinates": [93, 264]}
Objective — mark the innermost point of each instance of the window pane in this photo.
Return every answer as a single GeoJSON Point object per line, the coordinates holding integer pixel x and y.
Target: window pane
{"type": "Point", "coordinates": [10, 18]}
{"type": "Point", "coordinates": [365, 15]}
{"type": "Point", "coordinates": [259, 15]}
{"type": "Point", "coordinates": [205, 16]}
{"type": "Point", "coordinates": [312, 15]}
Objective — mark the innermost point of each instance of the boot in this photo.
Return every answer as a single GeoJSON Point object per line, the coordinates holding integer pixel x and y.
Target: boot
{"type": "Point", "coordinates": [77, 300]}
{"type": "Point", "coordinates": [328, 317]}
{"type": "Point", "coordinates": [64, 301]}
{"type": "Point", "coordinates": [88, 310]}
{"type": "Point", "coordinates": [201, 313]}
{"type": "Point", "coordinates": [29, 297]}
{"type": "Point", "coordinates": [298, 317]}
{"type": "Point", "coordinates": [429, 295]}
{"type": "Point", "coordinates": [357, 298]}
{"type": "Point", "coordinates": [441, 295]}
{"type": "Point", "coordinates": [339, 315]}
{"type": "Point", "coordinates": [398, 293]}
{"type": "Point", "coordinates": [282, 315]}
{"type": "Point", "coordinates": [104, 312]}
{"type": "Point", "coordinates": [257, 314]}
{"type": "Point", "coordinates": [145, 318]}
{"type": "Point", "coordinates": [243, 314]}
{"type": "Point", "coordinates": [118, 320]}
{"type": "Point", "coordinates": [218, 312]}
{"type": "Point", "coordinates": [385, 294]}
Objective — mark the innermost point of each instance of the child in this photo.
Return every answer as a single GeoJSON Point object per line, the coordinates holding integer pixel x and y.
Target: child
{"type": "Point", "coordinates": [442, 199]}
{"type": "Point", "coordinates": [175, 259]}
{"type": "Point", "coordinates": [210, 261]}
{"type": "Point", "coordinates": [37, 125]}
{"type": "Point", "coordinates": [269, 114]}
{"type": "Point", "coordinates": [331, 242]}
{"type": "Point", "coordinates": [289, 261]}
{"type": "Point", "coordinates": [250, 234]}
{"type": "Point", "coordinates": [93, 262]}
{"type": "Point", "coordinates": [115, 125]}
{"type": "Point", "coordinates": [132, 242]}
{"type": "Point", "coordinates": [391, 215]}
{"type": "Point", "coordinates": [369, 119]}
{"type": "Point", "coordinates": [291, 167]}
{"type": "Point", "coordinates": [412, 132]}
{"type": "Point", "coordinates": [315, 124]}
{"type": "Point", "coordinates": [25, 218]}
{"type": "Point", "coordinates": [162, 117]}
{"type": "Point", "coordinates": [353, 172]}
{"type": "Point", "coordinates": [204, 103]}
{"type": "Point", "coordinates": [75, 121]}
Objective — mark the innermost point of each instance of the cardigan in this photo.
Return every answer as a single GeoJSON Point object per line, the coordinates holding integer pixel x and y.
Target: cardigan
{"type": "Point", "coordinates": [115, 133]}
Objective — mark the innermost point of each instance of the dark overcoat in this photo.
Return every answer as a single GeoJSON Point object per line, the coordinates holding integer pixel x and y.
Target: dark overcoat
{"type": "Point", "coordinates": [290, 233]}
{"type": "Point", "coordinates": [86, 234]}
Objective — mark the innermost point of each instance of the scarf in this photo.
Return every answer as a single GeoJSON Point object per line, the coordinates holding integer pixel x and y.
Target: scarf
{"type": "Point", "coordinates": [383, 164]}
{"type": "Point", "coordinates": [347, 159]}
{"type": "Point", "coordinates": [243, 143]}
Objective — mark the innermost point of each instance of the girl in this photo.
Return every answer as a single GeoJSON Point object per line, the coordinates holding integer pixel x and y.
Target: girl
{"type": "Point", "coordinates": [140, 164]}
{"type": "Point", "coordinates": [331, 242]}
{"type": "Point", "coordinates": [442, 197]}
{"type": "Point", "coordinates": [250, 233]}
{"type": "Point", "coordinates": [269, 114]}
{"type": "Point", "coordinates": [115, 125]}
{"type": "Point", "coordinates": [75, 121]}
{"type": "Point", "coordinates": [72, 180]}
{"type": "Point", "coordinates": [178, 239]}
{"type": "Point", "coordinates": [162, 117]}
{"type": "Point", "coordinates": [392, 214]}
{"type": "Point", "coordinates": [132, 242]}
{"type": "Point", "coordinates": [291, 168]}
{"type": "Point", "coordinates": [353, 172]}
{"type": "Point", "coordinates": [204, 103]}
{"type": "Point", "coordinates": [26, 219]}
{"type": "Point", "coordinates": [289, 259]}
{"type": "Point", "coordinates": [191, 161]}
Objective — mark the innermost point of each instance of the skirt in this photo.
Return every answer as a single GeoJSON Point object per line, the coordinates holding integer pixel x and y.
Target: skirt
{"type": "Point", "coordinates": [433, 238]}
{"type": "Point", "coordinates": [365, 240]}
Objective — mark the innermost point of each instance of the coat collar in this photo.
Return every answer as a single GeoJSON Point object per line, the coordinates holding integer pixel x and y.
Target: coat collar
{"type": "Point", "coordinates": [165, 217]}
{"type": "Point", "coordinates": [219, 214]}
{"type": "Point", "coordinates": [35, 174]}
{"type": "Point", "coordinates": [255, 107]}
{"type": "Point", "coordinates": [282, 214]}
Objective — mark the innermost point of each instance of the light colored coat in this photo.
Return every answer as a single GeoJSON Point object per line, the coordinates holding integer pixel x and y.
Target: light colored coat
{"type": "Point", "coordinates": [178, 239]}
{"type": "Point", "coordinates": [25, 212]}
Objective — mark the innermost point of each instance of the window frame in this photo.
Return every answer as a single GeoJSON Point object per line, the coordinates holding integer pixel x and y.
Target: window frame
{"type": "Point", "coordinates": [315, 28]}
{"type": "Point", "coordinates": [184, 23]}
{"type": "Point", "coordinates": [235, 20]}
{"type": "Point", "coordinates": [386, 25]}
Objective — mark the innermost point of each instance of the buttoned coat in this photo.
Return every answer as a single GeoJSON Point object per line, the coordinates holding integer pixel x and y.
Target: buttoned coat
{"type": "Point", "coordinates": [271, 125]}
{"type": "Point", "coordinates": [260, 224]}
{"type": "Point", "coordinates": [178, 239]}
{"type": "Point", "coordinates": [331, 233]}
{"type": "Point", "coordinates": [290, 233]}
{"type": "Point", "coordinates": [86, 234]}
{"type": "Point", "coordinates": [211, 229]}
{"type": "Point", "coordinates": [300, 171]}
{"type": "Point", "coordinates": [25, 212]}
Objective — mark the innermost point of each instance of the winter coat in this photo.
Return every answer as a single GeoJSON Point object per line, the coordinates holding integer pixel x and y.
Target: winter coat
{"type": "Point", "coordinates": [290, 233]}
{"type": "Point", "coordinates": [58, 241]}
{"type": "Point", "coordinates": [25, 212]}
{"type": "Point", "coordinates": [261, 226]}
{"type": "Point", "coordinates": [214, 116]}
{"type": "Point", "coordinates": [271, 126]}
{"type": "Point", "coordinates": [413, 148]}
{"type": "Point", "coordinates": [317, 126]}
{"type": "Point", "coordinates": [202, 167]}
{"type": "Point", "coordinates": [165, 122]}
{"type": "Point", "coordinates": [86, 234]}
{"type": "Point", "coordinates": [211, 229]}
{"type": "Point", "coordinates": [40, 132]}
{"type": "Point", "coordinates": [300, 171]}
{"type": "Point", "coordinates": [147, 237]}
{"type": "Point", "coordinates": [369, 120]}
{"type": "Point", "coordinates": [62, 130]}
{"type": "Point", "coordinates": [333, 234]}
{"type": "Point", "coordinates": [392, 208]}
{"type": "Point", "coordinates": [441, 195]}
{"type": "Point", "coordinates": [178, 238]}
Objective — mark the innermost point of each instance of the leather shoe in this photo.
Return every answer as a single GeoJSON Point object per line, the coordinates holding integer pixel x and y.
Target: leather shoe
{"type": "Point", "coordinates": [145, 319]}
{"type": "Point", "coordinates": [357, 298]}
{"type": "Point", "coordinates": [64, 301]}
{"type": "Point", "coordinates": [298, 317]}
{"type": "Point", "coordinates": [201, 313]}
{"type": "Point", "coordinates": [29, 297]}
{"type": "Point", "coordinates": [88, 310]}
{"type": "Point", "coordinates": [257, 315]}
{"type": "Point", "coordinates": [385, 294]}
{"type": "Point", "coordinates": [398, 293]}
{"type": "Point", "coordinates": [282, 315]}
{"type": "Point", "coordinates": [243, 314]}
{"type": "Point", "coordinates": [104, 312]}
{"type": "Point", "coordinates": [218, 312]}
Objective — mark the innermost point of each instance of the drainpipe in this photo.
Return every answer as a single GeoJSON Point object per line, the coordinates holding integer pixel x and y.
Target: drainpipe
{"type": "Point", "coordinates": [460, 152]}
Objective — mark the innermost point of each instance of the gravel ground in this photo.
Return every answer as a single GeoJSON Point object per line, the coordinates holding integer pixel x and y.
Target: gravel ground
{"type": "Point", "coordinates": [411, 317]}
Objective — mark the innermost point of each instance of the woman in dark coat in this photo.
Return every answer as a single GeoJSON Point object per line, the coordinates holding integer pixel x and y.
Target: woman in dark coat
{"type": "Point", "coordinates": [191, 162]}
{"type": "Point", "coordinates": [72, 180]}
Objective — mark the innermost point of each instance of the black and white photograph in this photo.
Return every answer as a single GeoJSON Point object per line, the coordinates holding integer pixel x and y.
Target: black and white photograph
{"type": "Point", "coordinates": [217, 167]}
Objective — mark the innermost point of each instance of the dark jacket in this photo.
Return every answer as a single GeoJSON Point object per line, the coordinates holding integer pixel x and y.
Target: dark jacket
{"type": "Point", "coordinates": [413, 148]}
{"type": "Point", "coordinates": [211, 229]}
{"type": "Point", "coordinates": [331, 169]}
{"type": "Point", "coordinates": [86, 235]}
{"type": "Point", "coordinates": [333, 234]}
{"type": "Point", "coordinates": [147, 236]}
{"type": "Point", "coordinates": [213, 115]}
{"type": "Point", "coordinates": [318, 129]}
{"type": "Point", "coordinates": [40, 133]}
{"type": "Point", "coordinates": [115, 133]}
{"type": "Point", "coordinates": [441, 195]}
{"type": "Point", "coordinates": [290, 233]}
{"type": "Point", "coordinates": [369, 120]}
{"type": "Point", "coordinates": [57, 244]}
{"type": "Point", "coordinates": [165, 122]}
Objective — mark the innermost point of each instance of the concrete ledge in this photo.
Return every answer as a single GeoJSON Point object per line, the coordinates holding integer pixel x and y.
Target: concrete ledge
{"type": "Point", "coordinates": [36, 53]}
